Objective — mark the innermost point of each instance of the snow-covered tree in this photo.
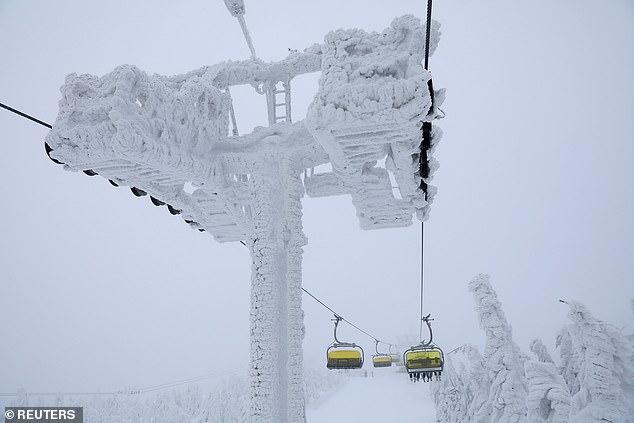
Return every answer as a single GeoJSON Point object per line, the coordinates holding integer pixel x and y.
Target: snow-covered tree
{"type": "Point", "coordinates": [462, 394]}
{"type": "Point", "coordinates": [548, 396]}
{"type": "Point", "coordinates": [597, 367]}
{"type": "Point", "coordinates": [226, 401]}
{"type": "Point", "coordinates": [595, 382]}
{"type": "Point", "coordinates": [477, 383]}
{"type": "Point", "coordinates": [319, 382]}
{"type": "Point", "coordinates": [230, 404]}
{"type": "Point", "coordinates": [450, 395]}
{"type": "Point", "coordinates": [502, 358]}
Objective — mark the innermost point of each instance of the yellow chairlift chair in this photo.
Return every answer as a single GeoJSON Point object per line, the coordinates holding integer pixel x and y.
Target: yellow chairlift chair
{"type": "Point", "coordinates": [380, 359]}
{"type": "Point", "coordinates": [343, 355]}
{"type": "Point", "coordinates": [425, 360]}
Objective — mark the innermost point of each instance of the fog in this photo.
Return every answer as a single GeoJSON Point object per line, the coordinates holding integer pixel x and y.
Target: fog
{"type": "Point", "coordinates": [99, 290]}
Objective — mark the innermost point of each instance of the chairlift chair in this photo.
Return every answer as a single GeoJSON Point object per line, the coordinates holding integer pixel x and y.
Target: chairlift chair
{"type": "Point", "coordinates": [343, 355]}
{"type": "Point", "coordinates": [425, 360]}
{"type": "Point", "coordinates": [381, 359]}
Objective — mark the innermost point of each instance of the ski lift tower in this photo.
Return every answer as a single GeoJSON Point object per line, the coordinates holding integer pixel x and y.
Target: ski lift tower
{"type": "Point", "coordinates": [175, 140]}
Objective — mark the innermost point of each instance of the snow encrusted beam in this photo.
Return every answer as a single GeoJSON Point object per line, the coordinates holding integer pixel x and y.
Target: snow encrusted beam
{"type": "Point", "coordinates": [173, 130]}
{"type": "Point", "coordinates": [277, 331]}
{"type": "Point", "coordinates": [157, 134]}
{"type": "Point", "coordinates": [147, 133]}
{"type": "Point", "coordinates": [373, 97]}
{"type": "Point", "coordinates": [257, 72]}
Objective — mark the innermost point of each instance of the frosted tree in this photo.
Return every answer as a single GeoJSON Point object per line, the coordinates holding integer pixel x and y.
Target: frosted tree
{"type": "Point", "coordinates": [502, 358]}
{"type": "Point", "coordinates": [450, 396]}
{"type": "Point", "coordinates": [548, 396]}
{"type": "Point", "coordinates": [477, 383]}
{"type": "Point", "coordinates": [319, 382]}
{"type": "Point", "coordinates": [463, 392]}
{"type": "Point", "coordinates": [595, 382]}
{"type": "Point", "coordinates": [597, 367]}
{"type": "Point", "coordinates": [230, 402]}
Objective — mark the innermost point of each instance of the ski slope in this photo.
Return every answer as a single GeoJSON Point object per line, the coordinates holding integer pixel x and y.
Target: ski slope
{"type": "Point", "coordinates": [387, 396]}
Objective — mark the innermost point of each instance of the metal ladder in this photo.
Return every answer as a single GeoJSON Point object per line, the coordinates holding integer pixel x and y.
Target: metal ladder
{"type": "Point", "coordinates": [278, 95]}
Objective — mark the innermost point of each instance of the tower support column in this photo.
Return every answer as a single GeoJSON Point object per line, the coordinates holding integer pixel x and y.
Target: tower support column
{"type": "Point", "coordinates": [277, 328]}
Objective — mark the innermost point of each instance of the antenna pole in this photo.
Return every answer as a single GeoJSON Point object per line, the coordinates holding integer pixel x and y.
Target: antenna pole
{"type": "Point", "coordinates": [237, 10]}
{"type": "Point", "coordinates": [247, 36]}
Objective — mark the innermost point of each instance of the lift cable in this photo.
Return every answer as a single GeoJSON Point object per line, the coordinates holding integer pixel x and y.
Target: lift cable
{"type": "Point", "coordinates": [428, 34]}
{"type": "Point", "coordinates": [346, 320]}
{"type": "Point", "coordinates": [24, 115]}
{"type": "Point", "coordinates": [425, 143]}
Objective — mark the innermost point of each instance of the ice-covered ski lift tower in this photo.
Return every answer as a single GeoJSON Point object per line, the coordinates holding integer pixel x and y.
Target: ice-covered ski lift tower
{"type": "Point", "coordinates": [174, 139]}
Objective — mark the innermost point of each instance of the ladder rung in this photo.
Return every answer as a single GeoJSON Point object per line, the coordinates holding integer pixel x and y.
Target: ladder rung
{"type": "Point", "coordinates": [280, 104]}
{"type": "Point", "coordinates": [279, 91]}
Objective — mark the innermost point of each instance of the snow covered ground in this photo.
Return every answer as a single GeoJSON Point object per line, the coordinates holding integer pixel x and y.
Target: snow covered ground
{"type": "Point", "coordinates": [387, 397]}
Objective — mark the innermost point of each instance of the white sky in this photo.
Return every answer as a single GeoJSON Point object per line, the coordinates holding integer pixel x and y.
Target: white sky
{"type": "Point", "coordinates": [100, 290]}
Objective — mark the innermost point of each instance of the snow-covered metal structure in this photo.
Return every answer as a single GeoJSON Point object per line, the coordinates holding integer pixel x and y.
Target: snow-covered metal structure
{"type": "Point", "coordinates": [175, 139]}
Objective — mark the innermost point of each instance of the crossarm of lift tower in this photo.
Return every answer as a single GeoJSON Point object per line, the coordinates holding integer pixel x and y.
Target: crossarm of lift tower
{"type": "Point", "coordinates": [170, 136]}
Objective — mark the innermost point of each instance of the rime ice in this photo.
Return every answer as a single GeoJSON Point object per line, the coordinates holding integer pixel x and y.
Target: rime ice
{"type": "Point", "coordinates": [593, 381]}
{"type": "Point", "coordinates": [165, 136]}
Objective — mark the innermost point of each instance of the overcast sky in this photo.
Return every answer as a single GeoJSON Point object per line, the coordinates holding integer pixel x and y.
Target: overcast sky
{"type": "Point", "coordinates": [100, 290]}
